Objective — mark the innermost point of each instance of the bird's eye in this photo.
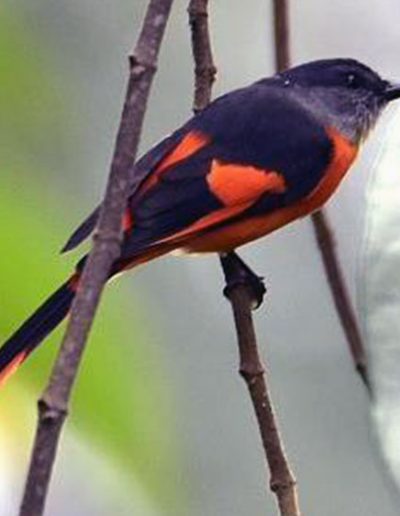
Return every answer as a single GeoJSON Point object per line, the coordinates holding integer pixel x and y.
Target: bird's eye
{"type": "Point", "coordinates": [351, 80]}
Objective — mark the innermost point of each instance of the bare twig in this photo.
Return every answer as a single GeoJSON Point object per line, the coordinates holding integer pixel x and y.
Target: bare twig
{"type": "Point", "coordinates": [204, 69]}
{"type": "Point", "coordinates": [282, 35]}
{"type": "Point", "coordinates": [239, 292]}
{"type": "Point", "coordinates": [337, 284]}
{"type": "Point", "coordinates": [53, 404]}
{"type": "Point", "coordinates": [242, 297]}
{"type": "Point", "coordinates": [322, 231]}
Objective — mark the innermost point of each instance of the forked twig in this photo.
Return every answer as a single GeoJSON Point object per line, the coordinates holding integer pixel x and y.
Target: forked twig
{"type": "Point", "coordinates": [239, 280]}
{"type": "Point", "coordinates": [53, 405]}
{"type": "Point", "coordinates": [322, 231]}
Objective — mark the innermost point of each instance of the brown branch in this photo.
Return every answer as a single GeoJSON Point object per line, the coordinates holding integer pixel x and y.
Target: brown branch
{"type": "Point", "coordinates": [53, 405]}
{"type": "Point", "coordinates": [326, 245]}
{"type": "Point", "coordinates": [239, 292]}
{"type": "Point", "coordinates": [282, 35]}
{"type": "Point", "coordinates": [322, 231]}
{"type": "Point", "coordinates": [204, 70]}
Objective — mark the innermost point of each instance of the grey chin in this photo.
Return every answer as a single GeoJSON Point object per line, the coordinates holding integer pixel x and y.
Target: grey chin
{"type": "Point", "coordinates": [392, 92]}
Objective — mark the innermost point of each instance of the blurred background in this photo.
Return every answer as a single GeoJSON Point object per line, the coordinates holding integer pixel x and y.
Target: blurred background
{"type": "Point", "coordinates": [161, 423]}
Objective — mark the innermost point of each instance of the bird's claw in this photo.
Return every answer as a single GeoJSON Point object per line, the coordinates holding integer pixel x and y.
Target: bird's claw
{"type": "Point", "coordinates": [238, 273]}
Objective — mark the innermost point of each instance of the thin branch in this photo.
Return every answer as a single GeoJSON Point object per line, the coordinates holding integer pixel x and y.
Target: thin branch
{"type": "Point", "coordinates": [322, 231]}
{"type": "Point", "coordinates": [242, 295]}
{"type": "Point", "coordinates": [204, 70]}
{"type": "Point", "coordinates": [334, 274]}
{"type": "Point", "coordinates": [53, 405]}
{"type": "Point", "coordinates": [244, 289]}
{"type": "Point", "coordinates": [282, 35]}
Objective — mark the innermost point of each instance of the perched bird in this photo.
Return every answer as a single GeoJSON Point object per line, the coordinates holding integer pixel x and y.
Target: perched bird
{"type": "Point", "coordinates": [251, 162]}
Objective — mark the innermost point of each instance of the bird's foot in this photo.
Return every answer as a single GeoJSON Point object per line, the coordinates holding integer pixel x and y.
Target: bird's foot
{"type": "Point", "coordinates": [236, 273]}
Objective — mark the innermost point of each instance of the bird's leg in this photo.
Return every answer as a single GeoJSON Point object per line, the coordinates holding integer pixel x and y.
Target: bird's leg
{"type": "Point", "coordinates": [237, 272]}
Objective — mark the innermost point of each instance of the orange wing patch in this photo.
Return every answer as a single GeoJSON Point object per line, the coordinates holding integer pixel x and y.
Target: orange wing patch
{"type": "Point", "coordinates": [189, 145]}
{"type": "Point", "coordinates": [237, 184]}
{"type": "Point", "coordinates": [238, 187]}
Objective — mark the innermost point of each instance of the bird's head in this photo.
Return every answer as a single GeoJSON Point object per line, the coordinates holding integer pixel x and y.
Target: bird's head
{"type": "Point", "coordinates": [341, 92]}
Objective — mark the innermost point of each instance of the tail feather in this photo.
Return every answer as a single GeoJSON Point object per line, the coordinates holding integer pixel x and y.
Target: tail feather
{"type": "Point", "coordinates": [36, 328]}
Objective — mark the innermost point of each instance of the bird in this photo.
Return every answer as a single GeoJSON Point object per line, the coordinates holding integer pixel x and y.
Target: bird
{"type": "Point", "coordinates": [251, 162]}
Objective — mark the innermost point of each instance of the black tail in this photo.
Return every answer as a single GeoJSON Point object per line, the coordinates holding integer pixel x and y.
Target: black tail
{"type": "Point", "coordinates": [36, 328]}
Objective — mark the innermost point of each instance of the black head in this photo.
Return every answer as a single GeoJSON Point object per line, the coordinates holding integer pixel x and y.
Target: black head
{"type": "Point", "coordinates": [343, 92]}
{"type": "Point", "coordinates": [346, 74]}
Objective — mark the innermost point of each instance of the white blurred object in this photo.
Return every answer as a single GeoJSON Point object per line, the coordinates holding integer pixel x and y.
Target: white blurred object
{"type": "Point", "coordinates": [379, 291]}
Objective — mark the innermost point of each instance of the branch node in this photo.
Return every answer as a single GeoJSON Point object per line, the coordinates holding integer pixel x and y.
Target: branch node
{"type": "Point", "coordinates": [50, 410]}
{"type": "Point", "coordinates": [139, 66]}
{"type": "Point", "coordinates": [195, 13]}
{"type": "Point", "coordinates": [251, 371]}
{"type": "Point", "coordinates": [284, 484]}
{"type": "Point", "coordinates": [209, 70]}
{"type": "Point", "coordinates": [197, 9]}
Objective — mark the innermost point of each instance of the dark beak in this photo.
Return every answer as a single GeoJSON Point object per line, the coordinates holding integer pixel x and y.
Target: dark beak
{"type": "Point", "coordinates": [392, 91]}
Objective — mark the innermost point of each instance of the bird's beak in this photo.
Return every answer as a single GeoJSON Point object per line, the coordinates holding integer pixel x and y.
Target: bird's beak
{"type": "Point", "coordinates": [392, 91]}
